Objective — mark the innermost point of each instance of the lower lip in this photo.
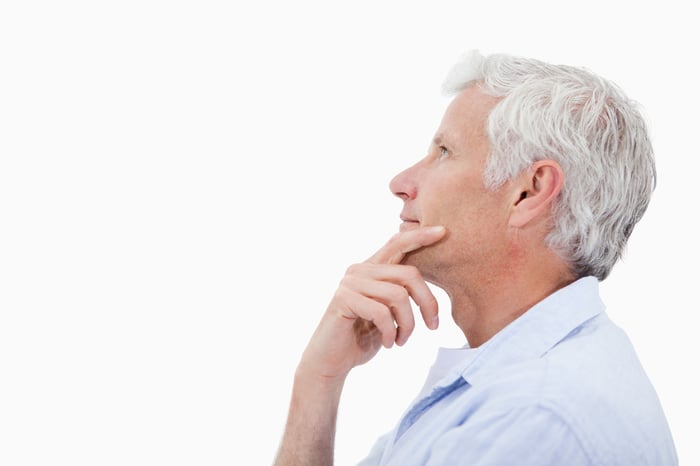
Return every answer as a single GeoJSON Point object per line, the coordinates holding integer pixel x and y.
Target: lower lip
{"type": "Point", "coordinates": [408, 226]}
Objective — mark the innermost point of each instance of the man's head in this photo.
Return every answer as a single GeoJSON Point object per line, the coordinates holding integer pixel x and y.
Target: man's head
{"type": "Point", "coordinates": [446, 188]}
{"type": "Point", "coordinates": [525, 116]}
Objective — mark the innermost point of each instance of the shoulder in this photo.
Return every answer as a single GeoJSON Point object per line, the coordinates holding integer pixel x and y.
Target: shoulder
{"type": "Point", "coordinates": [591, 392]}
{"type": "Point", "coordinates": [594, 374]}
{"type": "Point", "coordinates": [596, 383]}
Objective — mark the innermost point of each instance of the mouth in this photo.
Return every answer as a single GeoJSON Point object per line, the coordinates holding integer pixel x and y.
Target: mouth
{"type": "Point", "coordinates": [408, 223]}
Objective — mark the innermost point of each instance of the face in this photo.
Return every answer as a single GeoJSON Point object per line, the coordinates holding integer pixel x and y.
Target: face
{"type": "Point", "coordinates": [446, 188]}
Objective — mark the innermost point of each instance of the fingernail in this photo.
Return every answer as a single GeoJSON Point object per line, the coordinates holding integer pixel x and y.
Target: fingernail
{"type": "Point", "coordinates": [436, 229]}
{"type": "Point", "coordinates": [434, 322]}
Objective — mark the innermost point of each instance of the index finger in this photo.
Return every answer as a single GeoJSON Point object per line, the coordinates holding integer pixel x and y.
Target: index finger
{"type": "Point", "coordinates": [406, 241]}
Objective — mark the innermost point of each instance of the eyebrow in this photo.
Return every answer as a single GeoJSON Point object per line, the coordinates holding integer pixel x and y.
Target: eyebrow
{"type": "Point", "coordinates": [438, 139]}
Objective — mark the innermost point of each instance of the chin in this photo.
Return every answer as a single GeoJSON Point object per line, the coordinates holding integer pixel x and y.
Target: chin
{"type": "Point", "coordinates": [424, 261]}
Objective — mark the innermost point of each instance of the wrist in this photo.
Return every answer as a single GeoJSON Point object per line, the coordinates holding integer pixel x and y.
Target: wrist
{"type": "Point", "coordinates": [316, 379]}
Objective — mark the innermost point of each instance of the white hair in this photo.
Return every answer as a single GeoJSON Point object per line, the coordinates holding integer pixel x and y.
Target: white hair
{"type": "Point", "coordinates": [587, 125]}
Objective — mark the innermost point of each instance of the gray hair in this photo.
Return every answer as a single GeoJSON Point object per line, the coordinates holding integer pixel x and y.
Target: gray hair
{"type": "Point", "coordinates": [587, 125]}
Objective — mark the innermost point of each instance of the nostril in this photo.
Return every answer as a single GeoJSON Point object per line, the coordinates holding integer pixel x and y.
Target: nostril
{"type": "Point", "coordinates": [403, 185]}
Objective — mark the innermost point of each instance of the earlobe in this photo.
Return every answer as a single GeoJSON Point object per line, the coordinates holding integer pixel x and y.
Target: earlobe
{"type": "Point", "coordinates": [537, 188]}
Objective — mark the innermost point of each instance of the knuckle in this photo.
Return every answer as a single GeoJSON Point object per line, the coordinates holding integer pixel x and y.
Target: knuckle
{"type": "Point", "coordinates": [348, 281]}
{"type": "Point", "coordinates": [360, 269]}
{"type": "Point", "coordinates": [385, 311]}
{"type": "Point", "coordinates": [341, 293]}
{"type": "Point", "coordinates": [413, 272]}
{"type": "Point", "coordinates": [406, 323]}
{"type": "Point", "coordinates": [399, 293]}
{"type": "Point", "coordinates": [380, 318]}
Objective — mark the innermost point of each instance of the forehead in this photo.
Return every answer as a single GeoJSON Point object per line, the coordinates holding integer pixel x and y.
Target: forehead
{"type": "Point", "coordinates": [466, 115]}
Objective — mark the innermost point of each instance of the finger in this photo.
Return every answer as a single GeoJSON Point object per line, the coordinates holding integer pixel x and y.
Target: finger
{"type": "Point", "coordinates": [395, 297]}
{"type": "Point", "coordinates": [425, 299]}
{"type": "Point", "coordinates": [403, 243]}
{"type": "Point", "coordinates": [377, 313]}
{"type": "Point", "coordinates": [410, 278]}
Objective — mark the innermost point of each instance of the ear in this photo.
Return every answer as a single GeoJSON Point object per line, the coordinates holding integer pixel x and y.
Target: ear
{"type": "Point", "coordinates": [534, 191]}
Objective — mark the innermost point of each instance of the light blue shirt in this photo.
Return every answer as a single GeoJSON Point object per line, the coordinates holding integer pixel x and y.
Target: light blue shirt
{"type": "Point", "coordinates": [561, 385]}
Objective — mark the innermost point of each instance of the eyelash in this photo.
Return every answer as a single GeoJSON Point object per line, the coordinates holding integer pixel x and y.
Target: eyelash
{"type": "Point", "coordinates": [443, 152]}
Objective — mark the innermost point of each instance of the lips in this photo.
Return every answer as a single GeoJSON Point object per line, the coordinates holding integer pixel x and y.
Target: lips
{"type": "Point", "coordinates": [408, 223]}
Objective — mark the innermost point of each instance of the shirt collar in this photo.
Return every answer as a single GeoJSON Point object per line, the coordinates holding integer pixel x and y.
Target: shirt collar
{"type": "Point", "coordinates": [539, 329]}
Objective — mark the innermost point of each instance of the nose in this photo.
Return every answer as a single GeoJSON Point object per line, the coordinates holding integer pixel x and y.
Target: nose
{"type": "Point", "coordinates": [405, 185]}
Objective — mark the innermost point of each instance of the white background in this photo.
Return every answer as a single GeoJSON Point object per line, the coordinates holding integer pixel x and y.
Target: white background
{"type": "Point", "coordinates": [183, 184]}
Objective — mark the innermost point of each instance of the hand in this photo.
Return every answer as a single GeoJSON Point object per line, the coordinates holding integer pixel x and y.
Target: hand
{"type": "Point", "coordinates": [372, 308]}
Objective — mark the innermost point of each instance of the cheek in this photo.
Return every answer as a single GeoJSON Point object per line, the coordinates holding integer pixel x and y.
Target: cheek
{"type": "Point", "coordinates": [456, 199]}
{"type": "Point", "coordinates": [475, 216]}
{"type": "Point", "coordinates": [459, 206]}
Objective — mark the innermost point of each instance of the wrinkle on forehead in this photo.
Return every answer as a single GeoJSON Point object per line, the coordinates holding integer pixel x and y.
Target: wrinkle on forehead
{"type": "Point", "coordinates": [465, 120]}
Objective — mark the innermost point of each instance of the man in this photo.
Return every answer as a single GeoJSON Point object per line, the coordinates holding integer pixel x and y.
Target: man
{"type": "Point", "coordinates": [530, 189]}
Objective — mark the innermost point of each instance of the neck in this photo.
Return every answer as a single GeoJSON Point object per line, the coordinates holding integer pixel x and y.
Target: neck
{"type": "Point", "coordinates": [484, 304]}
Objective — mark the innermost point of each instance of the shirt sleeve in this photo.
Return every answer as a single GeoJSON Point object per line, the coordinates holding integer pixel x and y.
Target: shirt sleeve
{"type": "Point", "coordinates": [532, 436]}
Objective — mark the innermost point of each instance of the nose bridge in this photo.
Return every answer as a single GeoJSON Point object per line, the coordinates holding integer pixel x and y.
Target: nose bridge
{"type": "Point", "coordinates": [405, 184]}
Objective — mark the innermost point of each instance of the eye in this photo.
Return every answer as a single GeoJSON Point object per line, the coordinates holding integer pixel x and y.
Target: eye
{"type": "Point", "coordinates": [443, 152]}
